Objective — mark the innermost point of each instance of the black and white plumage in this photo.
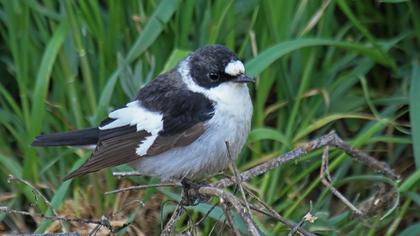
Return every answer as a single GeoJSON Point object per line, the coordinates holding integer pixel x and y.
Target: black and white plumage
{"type": "Point", "coordinates": [178, 124]}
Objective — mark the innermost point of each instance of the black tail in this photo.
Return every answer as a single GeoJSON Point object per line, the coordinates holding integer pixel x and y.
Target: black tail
{"type": "Point", "coordinates": [72, 138]}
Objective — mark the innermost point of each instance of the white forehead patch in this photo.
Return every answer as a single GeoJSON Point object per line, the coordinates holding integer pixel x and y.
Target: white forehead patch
{"type": "Point", "coordinates": [235, 68]}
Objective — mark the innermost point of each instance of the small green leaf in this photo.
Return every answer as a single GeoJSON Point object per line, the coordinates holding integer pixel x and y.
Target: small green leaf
{"type": "Point", "coordinates": [411, 230]}
{"type": "Point", "coordinates": [327, 120]}
{"type": "Point", "coordinates": [412, 181]}
{"type": "Point", "coordinates": [259, 134]}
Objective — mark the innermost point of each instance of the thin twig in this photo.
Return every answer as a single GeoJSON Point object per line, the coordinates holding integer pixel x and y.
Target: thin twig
{"type": "Point", "coordinates": [324, 170]}
{"type": "Point", "coordinates": [102, 222]}
{"type": "Point", "coordinates": [273, 214]}
{"type": "Point", "coordinates": [308, 217]}
{"type": "Point", "coordinates": [176, 214]}
{"type": "Point", "coordinates": [95, 230]}
{"type": "Point", "coordinates": [236, 203]}
{"type": "Point", "coordinates": [161, 211]}
{"type": "Point", "coordinates": [206, 215]}
{"type": "Point", "coordinates": [364, 158]}
{"type": "Point", "coordinates": [294, 229]}
{"type": "Point", "coordinates": [229, 218]}
{"type": "Point", "coordinates": [192, 226]}
{"type": "Point", "coordinates": [140, 187]}
{"type": "Point", "coordinates": [38, 193]}
{"type": "Point", "coordinates": [172, 221]}
{"type": "Point", "coordinates": [238, 181]}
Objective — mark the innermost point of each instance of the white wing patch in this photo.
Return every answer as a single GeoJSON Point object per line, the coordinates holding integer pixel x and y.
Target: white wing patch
{"type": "Point", "coordinates": [235, 68]}
{"type": "Point", "coordinates": [135, 114]}
{"type": "Point", "coordinates": [146, 144]}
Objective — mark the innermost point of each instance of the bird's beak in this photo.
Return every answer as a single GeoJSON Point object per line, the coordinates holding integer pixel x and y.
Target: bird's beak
{"type": "Point", "coordinates": [243, 79]}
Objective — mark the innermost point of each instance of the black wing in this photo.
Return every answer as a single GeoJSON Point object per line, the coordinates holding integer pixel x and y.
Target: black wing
{"type": "Point", "coordinates": [184, 116]}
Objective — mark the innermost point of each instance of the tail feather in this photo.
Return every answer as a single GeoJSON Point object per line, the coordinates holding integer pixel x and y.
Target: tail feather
{"type": "Point", "coordinates": [72, 138]}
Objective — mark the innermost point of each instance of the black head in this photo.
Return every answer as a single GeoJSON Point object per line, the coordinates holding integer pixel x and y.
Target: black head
{"type": "Point", "coordinates": [213, 65]}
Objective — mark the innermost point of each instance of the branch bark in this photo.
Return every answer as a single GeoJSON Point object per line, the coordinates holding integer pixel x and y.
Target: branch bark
{"type": "Point", "coordinates": [330, 139]}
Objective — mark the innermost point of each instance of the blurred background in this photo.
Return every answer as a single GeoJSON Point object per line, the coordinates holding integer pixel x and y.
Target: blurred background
{"type": "Point", "coordinates": [351, 66]}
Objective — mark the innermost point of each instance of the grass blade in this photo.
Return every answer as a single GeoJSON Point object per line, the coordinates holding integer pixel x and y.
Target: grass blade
{"type": "Point", "coordinates": [415, 112]}
{"type": "Point", "coordinates": [153, 28]}
{"type": "Point", "coordinates": [267, 57]}
{"type": "Point", "coordinates": [43, 78]}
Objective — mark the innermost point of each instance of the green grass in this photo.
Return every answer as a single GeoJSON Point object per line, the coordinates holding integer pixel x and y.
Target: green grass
{"type": "Point", "coordinates": [352, 66]}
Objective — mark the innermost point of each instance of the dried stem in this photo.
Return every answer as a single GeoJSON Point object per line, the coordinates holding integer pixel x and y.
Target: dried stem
{"type": "Point", "coordinates": [103, 222]}
{"type": "Point", "coordinates": [308, 217]}
{"type": "Point", "coordinates": [140, 187]}
{"type": "Point", "coordinates": [229, 219]}
{"type": "Point", "coordinates": [327, 182]}
{"type": "Point", "coordinates": [364, 158]}
{"type": "Point", "coordinates": [172, 221]}
{"type": "Point", "coordinates": [238, 181]}
{"type": "Point", "coordinates": [226, 196]}
{"type": "Point", "coordinates": [39, 194]}
{"type": "Point", "coordinates": [273, 214]}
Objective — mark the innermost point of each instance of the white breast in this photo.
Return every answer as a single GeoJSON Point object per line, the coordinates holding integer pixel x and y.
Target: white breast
{"type": "Point", "coordinates": [233, 112]}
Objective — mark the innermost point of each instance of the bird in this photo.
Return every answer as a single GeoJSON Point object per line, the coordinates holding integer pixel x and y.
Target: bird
{"type": "Point", "coordinates": [179, 124]}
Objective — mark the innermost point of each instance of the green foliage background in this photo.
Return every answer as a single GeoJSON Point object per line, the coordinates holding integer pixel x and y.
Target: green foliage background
{"type": "Point", "coordinates": [352, 66]}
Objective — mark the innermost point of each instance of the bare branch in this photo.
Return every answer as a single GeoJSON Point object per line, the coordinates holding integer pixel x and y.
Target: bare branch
{"type": "Point", "coordinates": [330, 139]}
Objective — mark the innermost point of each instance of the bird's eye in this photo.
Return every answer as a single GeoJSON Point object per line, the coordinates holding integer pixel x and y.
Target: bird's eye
{"type": "Point", "coordinates": [214, 76]}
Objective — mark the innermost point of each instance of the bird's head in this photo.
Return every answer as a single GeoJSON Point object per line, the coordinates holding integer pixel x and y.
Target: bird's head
{"type": "Point", "coordinates": [213, 65]}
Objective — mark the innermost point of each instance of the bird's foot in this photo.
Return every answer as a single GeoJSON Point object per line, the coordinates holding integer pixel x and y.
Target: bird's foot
{"type": "Point", "coordinates": [191, 194]}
